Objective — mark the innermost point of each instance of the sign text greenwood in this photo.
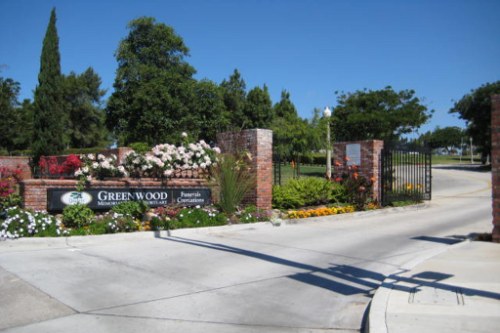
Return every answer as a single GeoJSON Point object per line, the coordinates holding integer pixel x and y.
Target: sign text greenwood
{"type": "Point", "coordinates": [105, 198]}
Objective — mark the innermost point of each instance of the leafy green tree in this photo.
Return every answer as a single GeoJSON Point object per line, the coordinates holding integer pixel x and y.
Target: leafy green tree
{"type": "Point", "coordinates": [235, 99]}
{"type": "Point", "coordinates": [290, 132]}
{"type": "Point", "coordinates": [317, 131]}
{"type": "Point", "coordinates": [153, 84]}
{"type": "Point", "coordinates": [209, 115]}
{"type": "Point", "coordinates": [24, 126]}
{"type": "Point", "coordinates": [258, 108]}
{"type": "Point", "coordinates": [377, 114]}
{"type": "Point", "coordinates": [82, 96]}
{"type": "Point", "coordinates": [446, 137]}
{"type": "Point", "coordinates": [9, 92]}
{"type": "Point", "coordinates": [475, 108]}
{"type": "Point", "coordinates": [49, 116]}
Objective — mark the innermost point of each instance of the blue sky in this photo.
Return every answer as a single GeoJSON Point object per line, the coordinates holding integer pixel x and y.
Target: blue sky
{"type": "Point", "coordinates": [440, 48]}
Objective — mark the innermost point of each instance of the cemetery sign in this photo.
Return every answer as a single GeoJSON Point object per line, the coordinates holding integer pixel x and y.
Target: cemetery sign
{"type": "Point", "coordinates": [105, 198]}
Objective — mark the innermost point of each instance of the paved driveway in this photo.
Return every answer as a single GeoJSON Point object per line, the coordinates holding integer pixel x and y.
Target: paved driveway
{"type": "Point", "coordinates": [317, 275]}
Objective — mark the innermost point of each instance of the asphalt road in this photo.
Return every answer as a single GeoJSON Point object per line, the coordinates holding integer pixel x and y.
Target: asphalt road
{"type": "Point", "coordinates": [317, 275]}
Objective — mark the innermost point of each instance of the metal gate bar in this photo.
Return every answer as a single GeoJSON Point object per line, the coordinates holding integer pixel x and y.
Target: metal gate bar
{"type": "Point", "coordinates": [406, 174]}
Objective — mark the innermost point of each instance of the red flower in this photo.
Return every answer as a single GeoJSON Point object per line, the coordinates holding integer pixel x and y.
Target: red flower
{"type": "Point", "coordinates": [71, 164]}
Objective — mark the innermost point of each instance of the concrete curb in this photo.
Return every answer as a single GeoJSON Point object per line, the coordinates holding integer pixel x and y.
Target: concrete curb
{"type": "Point", "coordinates": [378, 305]}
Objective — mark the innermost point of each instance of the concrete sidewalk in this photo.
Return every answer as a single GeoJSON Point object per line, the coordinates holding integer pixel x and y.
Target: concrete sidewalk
{"type": "Point", "coordinates": [455, 291]}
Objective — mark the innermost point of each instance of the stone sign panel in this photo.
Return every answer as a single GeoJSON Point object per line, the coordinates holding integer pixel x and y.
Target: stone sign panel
{"type": "Point", "coordinates": [353, 152]}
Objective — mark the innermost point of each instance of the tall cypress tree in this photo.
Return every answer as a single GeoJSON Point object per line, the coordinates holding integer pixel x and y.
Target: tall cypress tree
{"type": "Point", "coordinates": [49, 117]}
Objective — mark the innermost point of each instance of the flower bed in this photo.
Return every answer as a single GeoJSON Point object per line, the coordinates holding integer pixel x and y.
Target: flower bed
{"type": "Point", "coordinates": [127, 217]}
{"type": "Point", "coordinates": [321, 211]}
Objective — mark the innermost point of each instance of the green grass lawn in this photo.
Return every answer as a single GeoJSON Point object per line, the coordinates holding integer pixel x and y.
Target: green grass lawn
{"type": "Point", "coordinates": [287, 172]}
{"type": "Point", "coordinates": [445, 159]}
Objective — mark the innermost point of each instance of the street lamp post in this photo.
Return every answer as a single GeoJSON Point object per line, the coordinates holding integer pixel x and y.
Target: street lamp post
{"type": "Point", "coordinates": [471, 151]}
{"type": "Point", "coordinates": [327, 113]}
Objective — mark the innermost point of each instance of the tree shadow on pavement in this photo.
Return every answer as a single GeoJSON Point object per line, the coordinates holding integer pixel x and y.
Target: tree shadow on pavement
{"type": "Point", "coordinates": [442, 240]}
{"type": "Point", "coordinates": [345, 279]}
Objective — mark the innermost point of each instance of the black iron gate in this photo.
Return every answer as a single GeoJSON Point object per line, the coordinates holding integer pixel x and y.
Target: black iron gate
{"type": "Point", "coordinates": [405, 174]}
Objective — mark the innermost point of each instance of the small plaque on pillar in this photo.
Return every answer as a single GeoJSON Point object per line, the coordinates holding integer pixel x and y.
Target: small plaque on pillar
{"type": "Point", "coordinates": [353, 152]}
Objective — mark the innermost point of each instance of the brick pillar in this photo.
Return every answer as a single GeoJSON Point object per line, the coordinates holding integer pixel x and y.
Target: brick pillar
{"type": "Point", "coordinates": [495, 164]}
{"type": "Point", "coordinates": [259, 143]}
{"type": "Point", "coordinates": [369, 167]}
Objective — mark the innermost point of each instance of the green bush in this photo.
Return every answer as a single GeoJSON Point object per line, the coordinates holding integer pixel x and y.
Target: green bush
{"type": "Point", "coordinates": [286, 197]}
{"type": "Point", "coordinates": [26, 152]}
{"type": "Point", "coordinates": [140, 147]}
{"type": "Point", "coordinates": [158, 223]}
{"type": "Point", "coordinates": [136, 209]}
{"type": "Point", "coordinates": [116, 222]}
{"type": "Point", "coordinates": [253, 214]}
{"type": "Point", "coordinates": [12, 200]}
{"type": "Point", "coordinates": [84, 151]}
{"type": "Point", "coordinates": [24, 223]}
{"type": "Point", "coordinates": [197, 217]}
{"type": "Point", "coordinates": [307, 191]}
{"type": "Point", "coordinates": [77, 216]}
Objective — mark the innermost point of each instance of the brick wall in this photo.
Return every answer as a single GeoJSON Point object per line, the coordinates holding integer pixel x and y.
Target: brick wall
{"type": "Point", "coordinates": [259, 143]}
{"type": "Point", "coordinates": [34, 191]}
{"type": "Point", "coordinates": [495, 164]}
{"type": "Point", "coordinates": [13, 162]}
{"type": "Point", "coordinates": [370, 161]}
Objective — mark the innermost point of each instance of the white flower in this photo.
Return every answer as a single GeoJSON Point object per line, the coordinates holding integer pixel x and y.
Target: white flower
{"type": "Point", "coordinates": [184, 134]}
{"type": "Point", "coordinates": [91, 156]}
{"type": "Point", "coordinates": [217, 150]}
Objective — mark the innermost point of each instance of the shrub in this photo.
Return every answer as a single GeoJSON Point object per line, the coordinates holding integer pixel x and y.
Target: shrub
{"type": "Point", "coordinates": [8, 180]}
{"type": "Point", "coordinates": [232, 177]}
{"type": "Point", "coordinates": [140, 147]}
{"type": "Point", "coordinates": [24, 223]}
{"type": "Point", "coordinates": [115, 222]}
{"type": "Point", "coordinates": [198, 217]}
{"type": "Point", "coordinates": [253, 214]}
{"type": "Point", "coordinates": [358, 188]}
{"type": "Point", "coordinates": [285, 197]}
{"type": "Point", "coordinates": [12, 200]}
{"type": "Point", "coordinates": [136, 209]}
{"type": "Point", "coordinates": [307, 191]}
{"type": "Point", "coordinates": [77, 216]}
{"type": "Point", "coordinates": [158, 223]}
